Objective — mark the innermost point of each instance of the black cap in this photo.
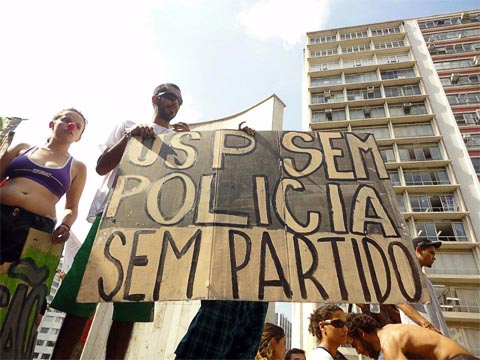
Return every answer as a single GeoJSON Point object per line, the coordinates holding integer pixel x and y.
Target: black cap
{"type": "Point", "coordinates": [423, 242]}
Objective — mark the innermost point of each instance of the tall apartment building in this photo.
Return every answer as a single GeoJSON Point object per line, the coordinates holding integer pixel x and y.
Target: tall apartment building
{"type": "Point", "coordinates": [414, 85]}
{"type": "Point", "coordinates": [453, 41]}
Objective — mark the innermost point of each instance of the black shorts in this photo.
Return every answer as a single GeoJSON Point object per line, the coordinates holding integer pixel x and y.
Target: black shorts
{"type": "Point", "coordinates": [14, 227]}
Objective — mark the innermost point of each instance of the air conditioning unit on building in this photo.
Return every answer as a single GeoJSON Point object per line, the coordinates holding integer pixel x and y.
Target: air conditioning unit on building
{"type": "Point", "coordinates": [407, 107]}
{"type": "Point", "coordinates": [328, 111]}
{"type": "Point", "coordinates": [431, 47]}
{"type": "Point", "coordinates": [461, 36]}
{"type": "Point", "coordinates": [367, 110]}
{"type": "Point", "coordinates": [476, 60]}
{"type": "Point", "coordinates": [370, 89]}
{"type": "Point", "coordinates": [430, 40]}
{"type": "Point", "coordinates": [466, 138]}
{"type": "Point", "coordinates": [454, 78]}
{"type": "Point", "coordinates": [477, 114]}
{"type": "Point", "coordinates": [327, 93]}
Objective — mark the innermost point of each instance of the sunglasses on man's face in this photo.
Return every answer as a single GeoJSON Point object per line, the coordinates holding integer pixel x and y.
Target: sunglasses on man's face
{"type": "Point", "coordinates": [171, 96]}
{"type": "Point", "coordinates": [337, 323]}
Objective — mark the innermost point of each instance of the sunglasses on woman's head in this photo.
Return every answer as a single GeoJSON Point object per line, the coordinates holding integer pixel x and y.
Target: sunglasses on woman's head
{"type": "Point", "coordinates": [337, 323]}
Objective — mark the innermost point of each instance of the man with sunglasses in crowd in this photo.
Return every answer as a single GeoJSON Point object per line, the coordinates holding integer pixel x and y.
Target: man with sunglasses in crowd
{"type": "Point", "coordinates": [166, 101]}
{"type": "Point", "coordinates": [430, 315]}
{"type": "Point", "coordinates": [400, 341]}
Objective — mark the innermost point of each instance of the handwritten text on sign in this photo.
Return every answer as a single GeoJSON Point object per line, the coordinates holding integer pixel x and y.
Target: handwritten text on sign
{"type": "Point", "coordinates": [282, 216]}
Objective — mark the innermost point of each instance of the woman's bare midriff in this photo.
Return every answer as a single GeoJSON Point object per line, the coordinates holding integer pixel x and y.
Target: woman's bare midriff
{"type": "Point", "coordinates": [31, 196]}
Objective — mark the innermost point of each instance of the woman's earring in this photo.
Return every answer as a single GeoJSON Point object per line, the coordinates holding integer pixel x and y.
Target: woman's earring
{"type": "Point", "coordinates": [269, 350]}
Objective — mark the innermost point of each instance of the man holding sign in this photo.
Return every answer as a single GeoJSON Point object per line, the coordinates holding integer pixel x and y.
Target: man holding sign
{"type": "Point", "coordinates": [166, 101]}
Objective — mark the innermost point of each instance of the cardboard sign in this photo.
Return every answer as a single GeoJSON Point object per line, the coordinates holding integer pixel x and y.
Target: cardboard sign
{"type": "Point", "coordinates": [24, 286]}
{"type": "Point", "coordinates": [282, 216]}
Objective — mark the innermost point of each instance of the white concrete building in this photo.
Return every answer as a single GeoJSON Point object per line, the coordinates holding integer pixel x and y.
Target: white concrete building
{"type": "Point", "coordinates": [382, 79]}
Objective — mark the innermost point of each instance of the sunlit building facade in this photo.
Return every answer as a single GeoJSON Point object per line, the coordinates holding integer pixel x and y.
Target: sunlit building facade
{"type": "Point", "coordinates": [414, 84]}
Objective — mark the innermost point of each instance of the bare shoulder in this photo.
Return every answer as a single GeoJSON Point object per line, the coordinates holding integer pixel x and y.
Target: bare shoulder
{"type": "Point", "coordinates": [79, 168]}
{"type": "Point", "coordinates": [18, 149]}
{"type": "Point", "coordinates": [419, 342]}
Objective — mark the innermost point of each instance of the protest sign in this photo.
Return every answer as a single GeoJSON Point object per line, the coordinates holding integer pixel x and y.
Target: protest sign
{"type": "Point", "coordinates": [282, 216]}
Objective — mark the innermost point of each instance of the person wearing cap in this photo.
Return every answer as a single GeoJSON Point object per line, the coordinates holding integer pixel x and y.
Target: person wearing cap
{"type": "Point", "coordinates": [425, 315]}
{"type": "Point", "coordinates": [166, 101]}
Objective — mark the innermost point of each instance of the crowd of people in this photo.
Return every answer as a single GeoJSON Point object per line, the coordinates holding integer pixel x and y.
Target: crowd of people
{"type": "Point", "coordinates": [38, 176]}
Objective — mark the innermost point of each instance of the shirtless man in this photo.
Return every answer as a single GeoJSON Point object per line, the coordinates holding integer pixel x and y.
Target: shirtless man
{"type": "Point", "coordinates": [400, 341]}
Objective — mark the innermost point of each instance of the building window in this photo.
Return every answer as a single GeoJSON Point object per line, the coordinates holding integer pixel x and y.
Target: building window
{"type": "Point", "coordinates": [442, 231]}
{"type": "Point", "coordinates": [40, 342]}
{"type": "Point", "coordinates": [43, 330]}
{"type": "Point", "coordinates": [367, 112]}
{"type": "Point", "coordinates": [327, 97]}
{"type": "Point", "coordinates": [386, 31]}
{"type": "Point", "coordinates": [406, 90]}
{"type": "Point", "coordinates": [323, 39]}
{"type": "Point", "coordinates": [323, 52]}
{"type": "Point", "coordinates": [326, 81]}
{"type": "Point", "coordinates": [467, 118]}
{"type": "Point", "coordinates": [439, 22]}
{"type": "Point", "coordinates": [389, 44]}
{"type": "Point", "coordinates": [356, 48]}
{"type": "Point", "coordinates": [387, 154]}
{"type": "Point", "coordinates": [361, 77]}
{"type": "Point", "coordinates": [394, 178]}
{"type": "Point", "coordinates": [371, 92]}
{"type": "Point", "coordinates": [433, 203]}
{"type": "Point", "coordinates": [393, 59]}
{"type": "Point", "coordinates": [464, 98]}
{"type": "Point", "coordinates": [324, 67]}
{"type": "Point", "coordinates": [472, 141]}
{"type": "Point", "coordinates": [448, 35]}
{"type": "Point", "coordinates": [454, 263]}
{"type": "Point", "coordinates": [357, 62]}
{"type": "Point", "coordinates": [379, 132]}
{"type": "Point", "coordinates": [458, 48]}
{"type": "Point", "coordinates": [413, 130]}
{"type": "Point", "coordinates": [432, 177]}
{"type": "Point", "coordinates": [476, 164]}
{"type": "Point", "coordinates": [328, 115]}
{"type": "Point", "coordinates": [454, 64]}
{"type": "Point", "coordinates": [407, 109]}
{"type": "Point", "coordinates": [354, 35]}
{"type": "Point", "coordinates": [419, 152]}
{"type": "Point", "coordinates": [398, 74]}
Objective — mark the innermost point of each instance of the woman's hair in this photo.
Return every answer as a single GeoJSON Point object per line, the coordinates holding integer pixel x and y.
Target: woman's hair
{"type": "Point", "coordinates": [59, 114]}
{"type": "Point", "coordinates": [321, 314]}
{"type": "Point", "coordinates": [270, 331]}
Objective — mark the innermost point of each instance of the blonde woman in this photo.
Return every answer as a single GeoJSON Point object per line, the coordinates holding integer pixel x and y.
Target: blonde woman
{"type": "Point", "coordinates": [273, 343]}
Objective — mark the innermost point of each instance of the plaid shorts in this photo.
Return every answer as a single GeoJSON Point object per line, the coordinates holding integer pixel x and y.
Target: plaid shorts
{"type": "Point", "coordinates": [224, 330]}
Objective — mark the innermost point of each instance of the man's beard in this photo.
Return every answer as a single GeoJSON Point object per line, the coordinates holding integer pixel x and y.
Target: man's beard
{"type": "Point", "coordinates": [165, 115]}
{"type": "Point", "coordinates": [374, 354]}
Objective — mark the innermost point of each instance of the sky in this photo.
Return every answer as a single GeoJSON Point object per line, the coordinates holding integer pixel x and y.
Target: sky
{"type": "Point", "coordinates": [105, 58]}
